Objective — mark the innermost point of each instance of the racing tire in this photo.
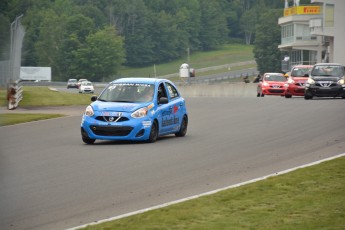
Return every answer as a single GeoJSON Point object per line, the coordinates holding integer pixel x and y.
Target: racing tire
{"type": "Point", "coordinates": [308, 97]}
{"type": "Point", "coordinates": [183, 129]}
{"type": "Point", "coordinates": [288, 96]}
{"type": "Point", "coordinates": [262, 95]}
{"type": "Point", "coordinates": [153, 133]}
{"type": "Point", "coordinates": [258, 94]}
{"type": "Point", "coordinates": [87, 140]}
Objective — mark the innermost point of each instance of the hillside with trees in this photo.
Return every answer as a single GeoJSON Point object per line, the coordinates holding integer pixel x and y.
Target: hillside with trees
{"type": "Point", "coordinates": [95, 38]}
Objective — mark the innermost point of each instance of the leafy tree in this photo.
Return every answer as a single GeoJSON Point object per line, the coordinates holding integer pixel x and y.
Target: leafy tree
{"type": "Point", "coordinates": [100, 57]}
{"type": "Point", "coordinates": [49, 41]}
{"type": "Point", "coordinates": [268, 37]}
{"type": "Point", "coordinates": [153, 31]}
{"type": "Point", "coordinates": [248, 23]}
{"type": "Point", "coordinates": [77, 28]}
{"type": "Point", "coordinates": [4, 37]}
{"type": "Point", "coordinates": [214, 29]}
{"type": "Point", "coordinates": [132, 20]}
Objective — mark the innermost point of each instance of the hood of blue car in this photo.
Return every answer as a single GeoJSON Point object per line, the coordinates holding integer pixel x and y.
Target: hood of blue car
{"type": "Point", "coordinates": [116, 106]}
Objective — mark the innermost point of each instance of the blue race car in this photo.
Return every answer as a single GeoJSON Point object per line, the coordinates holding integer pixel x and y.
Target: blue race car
{"type": "Point", "coordinates": [135, 109]}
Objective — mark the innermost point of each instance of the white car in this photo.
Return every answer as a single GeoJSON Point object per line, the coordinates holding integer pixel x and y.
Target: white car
{"type": "Point", "coordinates": [86, 87]}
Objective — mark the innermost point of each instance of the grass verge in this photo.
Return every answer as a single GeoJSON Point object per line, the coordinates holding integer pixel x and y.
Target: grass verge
{"type": "Point", "coordinates": [40, 96]}
{"type": "Point", "coordinates": [226, 54]}
{"type": "Point", "coordinates": [16, 118]}
{"type": "Point", "coordinates": [43, 96]}
{"type": "Point", "coordinates": [308, 198]}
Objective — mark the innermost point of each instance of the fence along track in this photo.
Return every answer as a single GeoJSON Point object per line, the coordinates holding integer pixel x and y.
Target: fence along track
{"type": "Point", "coordinates": [10, 69]}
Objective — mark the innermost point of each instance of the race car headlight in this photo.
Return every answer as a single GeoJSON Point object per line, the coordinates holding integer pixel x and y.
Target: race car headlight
{"type": "Point", "coordinates": [265, 84]}
{"type": "Point", "coordinates": [341, 81]}
{"type": "Point", "coordinates": [310, 81]}
{"type": "Point", "coordinates": [290, 81]}
{"type": "Point", "coordinates": [89, 111]}
{"type": "Point", "coordinates": [140, 113]}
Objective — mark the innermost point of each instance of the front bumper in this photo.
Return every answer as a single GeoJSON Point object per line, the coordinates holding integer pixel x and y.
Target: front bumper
{"type": "Point", "coordinates": [96, 127]}
{"type": "Point", "coordinates": [274, 91]}
{"type": "Point", "coordinates": [333, 91]}
{"type": "Point", "coordinates": [295, 90]}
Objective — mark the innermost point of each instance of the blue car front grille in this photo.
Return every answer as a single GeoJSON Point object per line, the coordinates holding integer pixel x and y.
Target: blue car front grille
{"type": "Point", "coordinates": [111, 130]}
{"type": "Point", "coordinates": [111, 119]}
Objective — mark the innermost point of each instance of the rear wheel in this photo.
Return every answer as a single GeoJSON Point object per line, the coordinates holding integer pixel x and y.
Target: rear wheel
{"type": "Point", "coordinates": [153, 133]}
{"type": "Point", "coordinates": [183, 129]}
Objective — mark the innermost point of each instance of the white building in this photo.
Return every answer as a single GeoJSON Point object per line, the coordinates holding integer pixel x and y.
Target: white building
{"type": "Point", "coordinates": [313, 33]}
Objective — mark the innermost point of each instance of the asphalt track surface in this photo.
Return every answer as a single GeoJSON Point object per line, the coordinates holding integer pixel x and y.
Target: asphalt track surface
{"type": "Point", "coordinates": [49, 179]}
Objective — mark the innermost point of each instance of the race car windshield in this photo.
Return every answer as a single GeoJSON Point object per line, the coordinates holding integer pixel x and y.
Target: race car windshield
{"type": "Point", "coordinates": [328, 70]}
{"type": "Point", "coordinates": [127, 92]}
{"type": "Point", "coordinates": [299, 72]}
{"type": "Point", "coordinates": [275, 78]}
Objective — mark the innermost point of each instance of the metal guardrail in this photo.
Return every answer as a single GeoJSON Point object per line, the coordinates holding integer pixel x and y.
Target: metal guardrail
{"type": "Point", "coordinates": [215, 78]}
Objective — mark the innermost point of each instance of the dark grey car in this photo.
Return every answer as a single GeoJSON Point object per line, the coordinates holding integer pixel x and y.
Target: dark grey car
{"type": "Point", "coordinates": [326, 80]}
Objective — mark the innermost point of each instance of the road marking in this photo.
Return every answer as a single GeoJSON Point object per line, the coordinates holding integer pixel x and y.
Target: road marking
{"type": "Point", "coordinates": [206, 194]}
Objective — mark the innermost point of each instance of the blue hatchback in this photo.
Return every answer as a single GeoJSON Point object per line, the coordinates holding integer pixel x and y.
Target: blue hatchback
{"type": "Point", "coordinates": [135, 109]}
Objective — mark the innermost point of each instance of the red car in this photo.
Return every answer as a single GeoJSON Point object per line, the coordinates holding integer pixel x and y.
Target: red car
{"type": "Point", "coordinates": [271, 84]}
{"type": "Point", "coordinates": [297, 79]}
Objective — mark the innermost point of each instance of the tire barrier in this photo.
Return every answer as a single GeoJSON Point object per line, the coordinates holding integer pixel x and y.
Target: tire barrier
{"type": "Point", "coordinates": [14, 94]}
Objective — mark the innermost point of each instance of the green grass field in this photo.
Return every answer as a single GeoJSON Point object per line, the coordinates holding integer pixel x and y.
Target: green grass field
{"type": "Point", "coordinates": [40, 96]}
{"type": "Point", "coordinates": [11, 119]}
{"type": "Point", "coordinates": [227, 54]}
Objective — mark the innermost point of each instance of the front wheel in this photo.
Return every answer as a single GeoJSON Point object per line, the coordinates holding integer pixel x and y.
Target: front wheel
{"type": "Point", "coordinates": [183, 129]}
{"type": "Point", "coordinates": [153, 133]}
{"type": "Point", "coordinates": [307, 97]}
{"type": "Point", "coordinates": [87, 140]}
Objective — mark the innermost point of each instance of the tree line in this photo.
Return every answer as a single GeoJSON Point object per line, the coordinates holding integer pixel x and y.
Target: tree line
{"type": "Point", "coordinates": [93, 39]}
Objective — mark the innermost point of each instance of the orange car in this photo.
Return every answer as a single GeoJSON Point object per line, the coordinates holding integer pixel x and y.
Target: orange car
{"type": "Point", "coordinates": [296, 80]}
{"type": "Point", "coordinates": [271, 84]}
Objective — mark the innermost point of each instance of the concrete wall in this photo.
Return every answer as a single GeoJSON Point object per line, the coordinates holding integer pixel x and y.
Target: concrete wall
{"type": "Point", "coordinates": [219, 90]}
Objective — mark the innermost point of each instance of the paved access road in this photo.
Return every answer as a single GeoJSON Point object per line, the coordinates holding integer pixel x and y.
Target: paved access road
{"type": "Point", "coordinates": [49, 179]}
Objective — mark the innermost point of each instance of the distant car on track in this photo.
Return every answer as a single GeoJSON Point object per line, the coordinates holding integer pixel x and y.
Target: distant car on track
{"type": "Point", "coordinates": [326, 80]}
{"type": "Point", "coordinates": [135, 109]}
{"type": "Point", "coordinates": [80, 81]}
{"type": "Point", "coordinates": [295, 85]}
{"type": "Point", "coordinates": [271, 84]}
{"type": "Point", "coordinates": [86, 87]}
{"type": "Point", "coordinates": [72, 83]}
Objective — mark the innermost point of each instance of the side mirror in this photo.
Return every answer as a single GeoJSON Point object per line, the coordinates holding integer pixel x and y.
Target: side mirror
{"type": "Point", "coordinates": [163, 100]}
{"type": "Point", "coordinates": [94, 98]}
